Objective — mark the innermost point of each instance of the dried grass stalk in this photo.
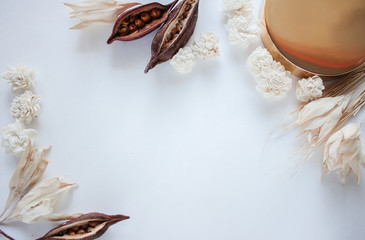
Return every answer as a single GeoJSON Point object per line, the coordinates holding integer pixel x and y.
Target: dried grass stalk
{"type": "Point", "coordinates": [349, 83]}
{"type": "Point", "coordinates": [95, 12]}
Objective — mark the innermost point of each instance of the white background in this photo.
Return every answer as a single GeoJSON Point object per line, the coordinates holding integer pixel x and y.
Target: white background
{"type": "Point", "coordinates": [180, 154]}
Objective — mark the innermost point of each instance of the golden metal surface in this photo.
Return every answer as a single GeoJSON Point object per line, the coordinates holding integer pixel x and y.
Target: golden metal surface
{"type": "Point", "coordinates": [324, 37]}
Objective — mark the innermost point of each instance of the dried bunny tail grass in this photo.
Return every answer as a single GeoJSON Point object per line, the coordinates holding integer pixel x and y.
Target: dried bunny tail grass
{"type": "Point", "coordinates": [349, 83]}
{"type": "Point", "coordinates": [93, 13]}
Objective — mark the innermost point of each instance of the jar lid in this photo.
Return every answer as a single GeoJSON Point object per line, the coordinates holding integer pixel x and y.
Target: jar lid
{"type": "Point", "coordinates": [324, 37]}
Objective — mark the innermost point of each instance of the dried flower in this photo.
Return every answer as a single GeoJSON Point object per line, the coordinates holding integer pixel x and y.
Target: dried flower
{"type": "Point", "coordinates": [206, 46]}
{"type": "Point", "coordinates": [344, 151]}
{"type": "Point", "coordinates": [319, 117]}
{"type": "Point", "coordinates": [242, 31]}
{"type": "Point", "coordinates": [28, 172]}
{"type": "Point", "coordinates": [273, 81]}
{"type": "Point", "coordinates": [237, 7]}
{"type": "Point", "coordinates": [25, 107]}
{"type": "Point", "coordinates": [92, 13]}
{"type": "Point", "coordinates": [20, 77]}
{"type": "Point", "coordinates": [258, 59]}
{"type": "Point", "coordinates": [309, 89]}
{"type": "Point", "coordinates": [40, 203]}
{"type": "Point", "coordinates": [16, 137]}
{"type": "Point", "coordinates": [184, 60]}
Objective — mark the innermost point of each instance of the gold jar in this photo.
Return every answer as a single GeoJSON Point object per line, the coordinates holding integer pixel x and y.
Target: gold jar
{"type": "Point", "coordinates": [316, 37]}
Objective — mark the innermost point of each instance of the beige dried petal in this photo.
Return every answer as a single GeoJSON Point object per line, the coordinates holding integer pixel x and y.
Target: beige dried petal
{"type": "Point", "coordinates": [41, 202]}
{"type": "Point", "coordinates": [344, 151]}
{"type": "Point", "coordinates": [28, 172]}
{"type": "Point", "coordinates": [319, 117]}
{"type": "Point", "coordinates": [94, 13]}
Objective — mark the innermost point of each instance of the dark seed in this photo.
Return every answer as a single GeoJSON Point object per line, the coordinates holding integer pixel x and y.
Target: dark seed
{"type": "Point", "coordinates": [132, 27]}
{"type": "Point", "coordinates": [93, 224]}
{"type": "Point", "coordinates": [125, 21]}
{"type": "Point", "coordinates": [81, 231]}
{"type": "Point", "coordinates": [185, 14]}
{"type": "Point", "coordinates": [145, 16]}
{"type": "Point", "coordinates": [139, 23]}
{"type": "Point", "coordinates": [123, 30]}
{"type": "Point", "coordinates": [132, 19]}
{"type": "Point", "coordinates": [156, 13]}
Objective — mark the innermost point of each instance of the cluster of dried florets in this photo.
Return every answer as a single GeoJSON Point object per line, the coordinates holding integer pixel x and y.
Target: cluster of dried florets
{"type": "Point", "coordinates": [309, 89]}
{"type": "Point", "coordinates": [33, 199]}
{"type": "Point", "coordinates": [273, 81]}
{"type": "Point", "coordinates": [206, 46]}
{"type": "Point", "coordinates": [20, 77]}
{"type": "Point", "coordinates": [241, 27]}
{"type": "Point", "coordinates": [25, 107]}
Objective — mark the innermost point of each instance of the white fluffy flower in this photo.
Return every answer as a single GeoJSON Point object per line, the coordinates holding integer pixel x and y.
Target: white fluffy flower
{"type": "Point", "coordinates": [25, 107]}
{"type": "Point", "coordinates": [258, 59]}
{"type": "Point", "coordinates": [242, 31]}
{"type": "Point", "coordinates": [237, 7]}
{"type": "Point", "coordinates": [16, 137]}
{"type": "Point", "coordinates": [273, 81]}
{"type": "Point", "coordinates": [184, 60]}
{"type": "Point", "coordinates": [20, 77]}
{"type": "Point", "coordinates": [309, 89]}
{"type": "Point", "coordinates": [319, 117]}
{"type": "Point", "coordinates": [344, 151]}
{"type": "Point", "coordinates": [206, 46]}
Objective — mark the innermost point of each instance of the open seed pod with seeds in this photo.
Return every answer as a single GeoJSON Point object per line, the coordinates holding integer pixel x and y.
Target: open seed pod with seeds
{"type": "Point", "coordinates": [134, 22]}
{"type": "Point", "coordinates": [140, 21]}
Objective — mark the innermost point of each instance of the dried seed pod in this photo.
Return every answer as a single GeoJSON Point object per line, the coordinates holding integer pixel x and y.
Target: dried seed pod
{"type": "Point", "coordinates": [151, 23]}
{"type": "Point", "coordinates": [175, 33]}
{"type": "Point", "coordinates": [98, 224]}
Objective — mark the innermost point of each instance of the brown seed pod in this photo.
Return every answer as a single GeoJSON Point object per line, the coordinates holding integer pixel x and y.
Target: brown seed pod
{"type": "Point", "coordinates": [175, 33]}
{"type": "Point", "coordinates": [97, 224]}
{"type": "Point", "coordinates": [150, 25]}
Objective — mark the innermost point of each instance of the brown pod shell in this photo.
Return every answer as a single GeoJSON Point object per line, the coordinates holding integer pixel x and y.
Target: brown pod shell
{"type": "Point", "coordinates": [98, 223]}
{"type": "Point", "coordinates": [163, 47]}
{"type": "Point", "coordinates": [148, 27]}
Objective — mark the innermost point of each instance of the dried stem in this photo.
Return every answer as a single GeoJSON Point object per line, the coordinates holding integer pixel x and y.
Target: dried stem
{"type": "Point", "coordinates": [6, 235]}
{"type": "Point", "coordinates": [352, 109]}
{"type": "Point", "coordinates": [349, 83]}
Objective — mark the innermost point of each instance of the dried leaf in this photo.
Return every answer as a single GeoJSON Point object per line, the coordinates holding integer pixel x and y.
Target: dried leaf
{"type": "Point", "coordinates": [93, 13]}
{"type": "Point", "coordinates": [28, 172]}
{"type": "Point", "coordinates": [41, 202]}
